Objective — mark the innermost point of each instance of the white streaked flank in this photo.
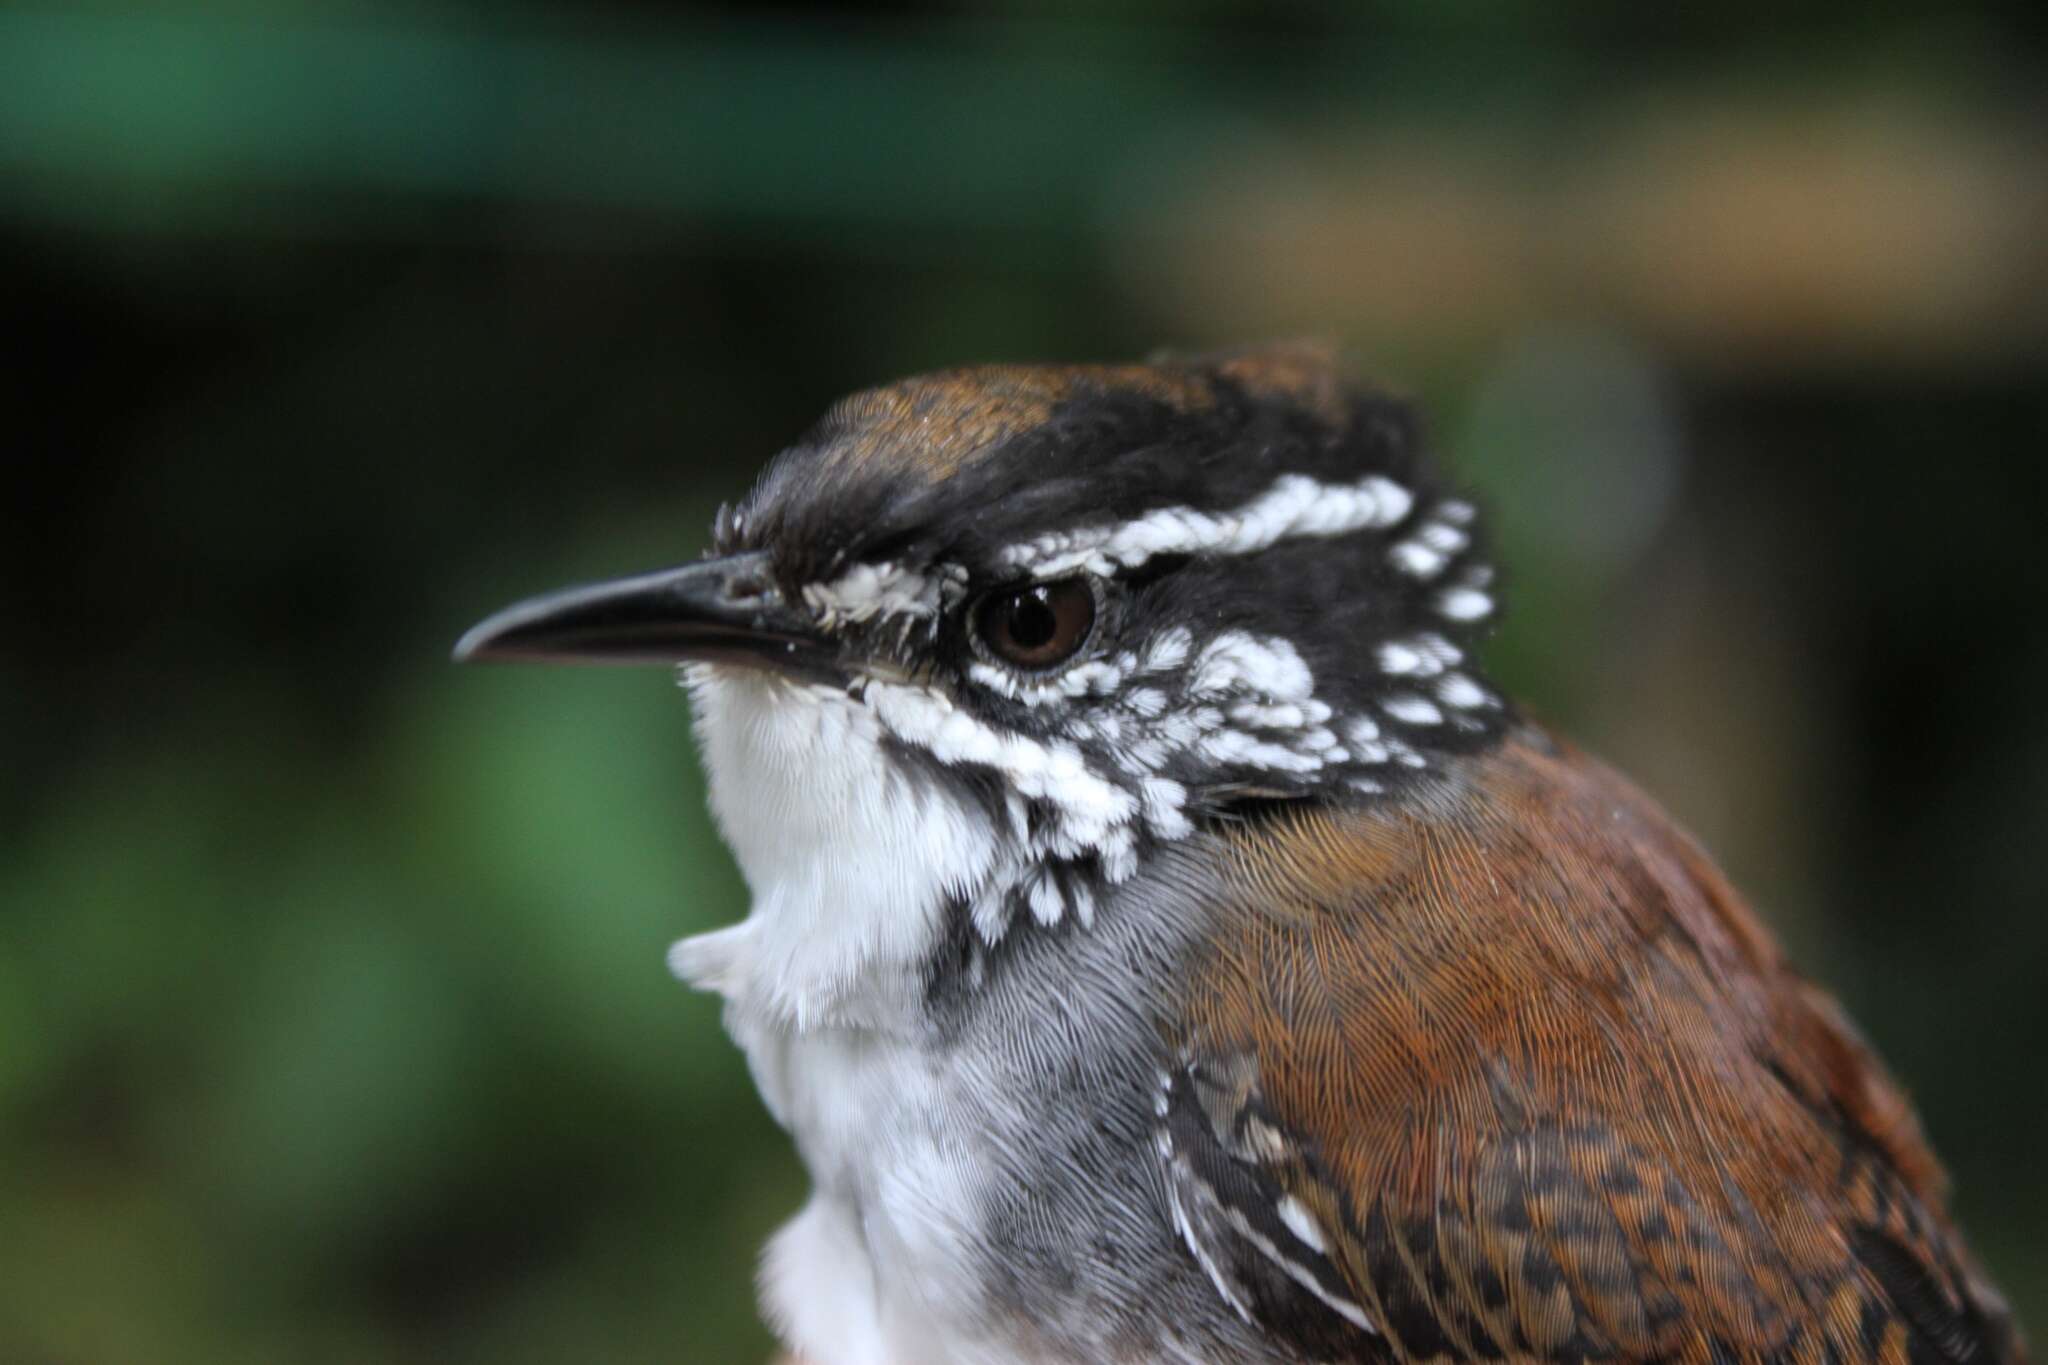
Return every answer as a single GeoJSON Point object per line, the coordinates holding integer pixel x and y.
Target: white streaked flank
{"type": "Point", "coordinates": [1302, 1223]}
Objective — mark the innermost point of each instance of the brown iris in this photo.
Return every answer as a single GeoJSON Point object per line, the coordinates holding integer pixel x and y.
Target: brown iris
{"type": "Point", "coordinates": [1036, 626]}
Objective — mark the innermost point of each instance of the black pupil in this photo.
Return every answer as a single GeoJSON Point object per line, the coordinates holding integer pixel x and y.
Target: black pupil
{"type": "Point", "coordinates": [1031, 621]}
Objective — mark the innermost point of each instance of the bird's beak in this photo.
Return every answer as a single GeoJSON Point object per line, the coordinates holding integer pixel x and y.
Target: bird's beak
{"type": "Point", "coordinates": [719, 611]}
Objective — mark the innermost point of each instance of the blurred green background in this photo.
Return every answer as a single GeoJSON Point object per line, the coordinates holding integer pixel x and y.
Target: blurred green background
{"type": "Point", "coordinates": [333, 1017]}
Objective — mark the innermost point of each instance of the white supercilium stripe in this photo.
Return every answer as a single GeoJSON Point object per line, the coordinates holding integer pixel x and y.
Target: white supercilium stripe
{"type": "Point", "coordinates": [1294, 506]}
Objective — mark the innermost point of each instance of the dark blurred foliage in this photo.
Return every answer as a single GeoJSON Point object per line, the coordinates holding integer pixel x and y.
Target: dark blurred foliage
{"type": "Point", "coordinates": [333, 1019]}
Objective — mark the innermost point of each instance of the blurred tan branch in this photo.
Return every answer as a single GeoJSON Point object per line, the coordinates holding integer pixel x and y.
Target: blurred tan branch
{"type": "Point", "coordinates": [1730, 232]}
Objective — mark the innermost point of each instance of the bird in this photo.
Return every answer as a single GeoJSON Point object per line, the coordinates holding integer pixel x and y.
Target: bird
{"type": "Point", "coordinates": [1167, 943]}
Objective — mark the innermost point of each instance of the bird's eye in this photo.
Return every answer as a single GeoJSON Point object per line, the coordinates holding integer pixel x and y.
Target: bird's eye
{"type": "Point", "coordinates": [1036, 626]}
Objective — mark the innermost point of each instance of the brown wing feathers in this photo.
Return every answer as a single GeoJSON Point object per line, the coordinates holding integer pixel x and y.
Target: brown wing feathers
{"type": "Point", "coordinates": [1548, 1091]}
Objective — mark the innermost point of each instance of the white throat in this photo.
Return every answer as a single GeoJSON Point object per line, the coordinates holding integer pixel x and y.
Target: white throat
{"type": "Point", "coordinates": [848, 858]}
{"type": "Point", "coordinates": [851, 861]}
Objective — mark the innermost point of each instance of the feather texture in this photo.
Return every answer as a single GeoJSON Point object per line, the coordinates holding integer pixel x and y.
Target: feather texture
{"type": "Point", "coordinates": [1551, 1093]}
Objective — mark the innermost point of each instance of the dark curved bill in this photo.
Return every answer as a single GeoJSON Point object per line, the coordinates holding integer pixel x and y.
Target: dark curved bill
{"type": "Point", "coordinates": [721, 611]}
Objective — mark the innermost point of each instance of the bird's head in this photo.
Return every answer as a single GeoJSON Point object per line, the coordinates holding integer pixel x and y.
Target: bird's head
{"type": "Point", "coordinates": [1102, 605]}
